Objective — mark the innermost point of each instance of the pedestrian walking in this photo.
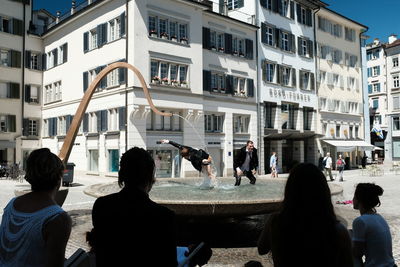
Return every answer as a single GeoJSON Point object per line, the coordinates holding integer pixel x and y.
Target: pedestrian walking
{"type": "Point", "coordinates": [327, 163]}
{"type": "Point", "coordinates": [340, 167]}
{"type": "Point", "coordinates": [272, 165]}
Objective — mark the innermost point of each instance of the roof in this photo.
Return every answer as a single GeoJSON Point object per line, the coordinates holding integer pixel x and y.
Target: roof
{"type": "Point", "coordinates": [395, 43]}
{"type": "Point", "coordinates": [232, 19]}
{"type": "Point", "coordinates": [340, 15]}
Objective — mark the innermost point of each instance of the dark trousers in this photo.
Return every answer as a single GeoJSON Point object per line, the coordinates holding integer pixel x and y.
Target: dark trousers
{"type": "Point", "coordinates": [248, 174]}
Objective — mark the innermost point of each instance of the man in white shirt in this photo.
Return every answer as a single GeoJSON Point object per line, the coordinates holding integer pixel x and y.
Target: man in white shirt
{"type": "Point", "coordinates": [272, 165]}
{"type": "Point", "coordinates": [328, 166]}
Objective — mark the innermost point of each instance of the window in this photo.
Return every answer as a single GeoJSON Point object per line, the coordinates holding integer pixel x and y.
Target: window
{"type": "Point", "coordinates": [396, 123]}
{"type": "Point", "coordinates": [168, 28]}
{"type": "Point", "coordinates": [62, 126]}
{"type": "Point", "coordinates": [213, 40]}
{"type": "Point", "coordinates": [241, 47]}
{"type": "Point", "coordinates": [322, 77]}
{"type": "Point", "coordinates": [5, 25]}
{"type": "Point", "coordinates": [32, 93]}
{"type": "Point", "coordinates": [375, 103]}
{"type": "Point", "coordinates": [114, 29]}
{"type": "Point", "coordinates": [286, 76]}
{"type": "Point", "coordinates": [213, 123]}
{"type": "Point", "coordinates": [232, 4]}
{"type": "Point", "coordinates": [337, 30]}
{"type": "Point", "coordinates": [270, 109]}
{"type": "Point", "coordinates": [241, 124]}
{"type": "Point", "coordinates": [156, 122]}
{"type": "Point", "coordinates": [285, 7]}
{"type": "Point", "coordinates": [304, 48]}
{"type": "Point", "coordinates": [168, 73]}
{"type": "Point", "coordinates": [349, 34]}
{"type": "Point", "coordinates": [7, 123]}
{"type": "Point", "coordinates": [113, 160]}
{"type": "Point", "coordinates": [94, 160]}
{"type": "Point", "coordinates": [324, 127]}
{"type": "Point", "coordinates": [353, 61]}
{"type": "Point", "coordinates": [396, 102]}
{"type": "Point", "coordinates": [376, 87]}
{"type": "Point", "coordinates": [351, 82]}
{"type": "Point", "coordinates": [9, 90]}
{"type": "Point", "coordinates": [218, 82]}
{"type": "Point", "coordinates": [396, 81]}
{"type": "Point", "coordinates": [269, 36]}
{"type": "Point", "coordinates": [285, 41]}
{"type": "Point", "coordinates": [112, 78]}
{"type": "Point", "coordinates": [351, 131]}
{"type": "Point", "coordinates": [34, 61]}
{"type": "Point", "coordinates": [93, 39]}
{"type": "Point", "coordinates": [303, 16]}
{"type": "Point", "coordinates": [33, 127]}
{"type": "Point", "coordinates": [306, 80]}
{"type": "Point", "coordinates": [395, 62]}
{"type": "Point", "coordinates": [307, 118]}
{"type": "Point", "coordinates": [269, 72]}
{"type": "Point", "coordinates": [113, 119]}
{"type": "Point", "coordinates": [337, 56]}
{"type": "Point", "coordinates": [52, 92]}
{"type": "Point", "coordinates": [221, 42]}
{"type": "Point", "coordinates": [4, 57]}
{"type": "Point", "coordinates": [378, 119]}
{"type": "Point", "coordinates": [375, 71]}
{"type": "Point", "coordinates": [356, 132]}
{"type": "Point", "coordinates": [337, 131]}
{"type": "Point", "coordinates": [288, 116]}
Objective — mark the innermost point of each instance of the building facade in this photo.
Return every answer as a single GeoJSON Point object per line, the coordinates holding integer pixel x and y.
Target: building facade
{"type": "Point", "coordinates": [340, 86]}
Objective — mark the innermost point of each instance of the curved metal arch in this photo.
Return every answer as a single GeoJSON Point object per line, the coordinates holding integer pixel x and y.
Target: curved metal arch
{"type": "Point", "coordinates": [73, 130]}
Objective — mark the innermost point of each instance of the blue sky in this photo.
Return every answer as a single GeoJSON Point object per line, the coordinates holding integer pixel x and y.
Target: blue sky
{"type": "Point", "coordinates": [379, 16]}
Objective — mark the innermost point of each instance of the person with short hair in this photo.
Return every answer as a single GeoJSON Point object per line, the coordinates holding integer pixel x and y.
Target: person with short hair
{"type": "Point", "coordinates": [129, 229]}
{"type": "Point", "coordinates": [371, 233]}
{"type": "Point", "coordinates": [273, 165]}
{"type": "Point", "coordinates": [327, 163]}
{"type": "Point", "coordinates": [34, 230]}
{"type": "Point", "coordinates": [245, 163]}
{"type": "Point", "coordinates": [305, 231]}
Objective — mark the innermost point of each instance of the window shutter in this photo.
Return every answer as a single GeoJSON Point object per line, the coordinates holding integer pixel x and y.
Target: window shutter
{"type": "Point", "coordinates": [85, 41]}
{"type": "Point", "coordinates": [298, 12]}
{"type": "Point", "coordinates": [103, 82]}
{"type": "Point", "coordinates": [85, 81]}
{"type": "Point", "coordinates": [250, 87]}
{"type": "Point", "coordinates": [229, 84]}
{"type": "Point", "coordinates": [240, 3]}
{"type": "Point", "coordinates": [15, 59]}
{"type": "Point", "coordinates": [27, 93]}
{"type": "Point", "coordinates": [44, 61]}
{"type": "Point", "coordinates": [294, 77]}
{"type": "Point", "coordinates": [278, 38]}
{"type": "Point", "coordinates": [121, 75]}
{"type": "Point", "coordinates": [14, 90]}
{"type": "Point", "coordinates": [28, 59]}
{"type": "Point", "coordinates": [279, 2]}
{"type": "Point", "coordinates": [40, 60]}
{"type": "Point", "coordinates": [263, 33]}
{"type": "Point", "coordinates": [85, 123]}
{"type": "Point", "coordinates": [228, 43]}
{"type": "Point", "coordinates": [379, 70]}
{"type": "Point", "coordinates": [308, 17]}
{"type": "Point", "coordinates": [263, 3]}
{"type": "Point", "coordinates": [207, 80]}
{"type": "Point", "coordinates": [279, 74]}
{"type": "Point", "coordinates": [206, 38]}
{"type": "Point", "coordinates": [249, 49]}
{"type": "Point", "coordinates": [264, 70]}
{"type": "Point", "coordinates": [25, 127]}
{"type": "Point", "coordinates": [68, 121]}
{"type": "Point", "coordinates": [17, 27]}
{"type": "Point", "coordinates": [369, 88]}
{"type": "Point", "coordinates": [310, 48]}
{"type": "Point", "coordinates": [122, 118]}
{"type": "Point", "coordinates": [275, 5]}
{"type": "Point", "coordinates": [122, 27]}
{"type": "Point", "coordinates": [98, 118]}
{"type": "Point", "coordinates": [99, 32]}
{"type": "Point", "coordinates": [103, 120]}
{"type": "Point", "coordinates": [55, 59]}
{"type": "Point", "coordinates": [299, 50]}
{"type": "Point", "coordinates": [1, 24]}
{"type": "Point", "coordinates": [55, 126]}
{"type": "Point", "coordinates": [104, 32]}
{"type": "Point", "coordinates": [65, 52]}
{"type": "Point", "coordinates": [369, 72]}
{"type": "Point", "coordinates": [291, 9]}
{"type": "Point", "coordinates": [292, 43]}
{"type": "Point", "coordinates": [312, 81]}
{"type": "Point", "coordinates": [11, 125]}
{"type": "Point", "coordinates": [221, 6]}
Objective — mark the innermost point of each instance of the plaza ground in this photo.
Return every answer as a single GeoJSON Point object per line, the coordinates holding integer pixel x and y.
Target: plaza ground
{"type": "Point", "coordinates": [79, 207]}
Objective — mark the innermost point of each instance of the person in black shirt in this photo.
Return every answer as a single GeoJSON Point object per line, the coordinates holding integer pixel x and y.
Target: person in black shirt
{"type": "Point", "coordinates": [246, 163]}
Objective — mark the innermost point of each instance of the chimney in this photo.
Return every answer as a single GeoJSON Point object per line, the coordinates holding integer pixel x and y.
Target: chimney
{"type": "Point", "coordinates": [73, 7]}
{"type": "Point", "coordinates": [392, 38]}
{"type": "Point", "coordinates": [376, 41]}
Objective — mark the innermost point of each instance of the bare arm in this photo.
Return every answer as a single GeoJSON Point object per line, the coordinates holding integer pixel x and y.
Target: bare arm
{"type": "Point", "coordinates": [56, 234]}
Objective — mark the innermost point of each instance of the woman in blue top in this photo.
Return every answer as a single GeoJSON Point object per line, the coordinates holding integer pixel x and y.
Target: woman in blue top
{"type": "Point", "coordinates": [34, 230]}
{"type": "Point", "coordinates": [371, 233]}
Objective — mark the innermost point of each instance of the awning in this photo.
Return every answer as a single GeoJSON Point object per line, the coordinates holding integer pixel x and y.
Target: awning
{"type": "Point", "coordinates": [349, 145]}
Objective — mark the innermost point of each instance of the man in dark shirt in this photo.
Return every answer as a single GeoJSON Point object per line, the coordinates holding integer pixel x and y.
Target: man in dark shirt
{"type": "Point", "coordinates": [246, 163]}
{"type": "Point", "coordinates": [129, 228]}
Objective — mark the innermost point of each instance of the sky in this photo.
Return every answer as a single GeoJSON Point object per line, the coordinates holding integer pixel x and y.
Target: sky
{"type": "Point", "coordinates": [380, 16]}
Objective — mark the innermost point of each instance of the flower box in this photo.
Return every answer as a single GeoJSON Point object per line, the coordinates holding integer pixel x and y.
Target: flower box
{"type": "Point", "coordinates": [235, 53]}
{"type": "Point", "coordinates": [174, 82]}
{"type": "Point", "coordinates": [241, 55]}
{"type": "Point", "coordinates": [184, 40]}
{"type": "Point", "coordinates": [213, 48]}
{"type": "Point", "coordinates": [174, 38]}
{"type": "Point", "coordinates": [155, 79]}
{"type": "Point", "coordinates": [164, 81]}
{"type": "Point", "coordinates": [221, 49]}
{"type": "Point", "coordinates": [153, 33]}
{"type": "Point", "coordinates": [184, 83]}
{"type": "Point", "coordinates": [164, 35]}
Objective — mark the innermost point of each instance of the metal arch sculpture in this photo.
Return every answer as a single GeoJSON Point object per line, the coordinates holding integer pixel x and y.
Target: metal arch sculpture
{"type": "Point", "coordinates": [73, 130]}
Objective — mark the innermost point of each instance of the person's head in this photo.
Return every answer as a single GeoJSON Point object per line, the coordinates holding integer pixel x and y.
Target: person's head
{"type": "Point", "coordinates": [274, 153]}
{"type": "Point", "coordinates": [44, 170]}
{"type": "Point", "coordinates": [136, 169]}
{"type": "Point", "coordinates": [307, 192]}
{"type": "Point", "coordinates": [249, 145]}
{"type": "Point", "coordinates": [366, 196]}
{"type": "Point", "coordinates": [328, 154]}
{"type": "Point", "coordinates": [201, 257]}
{"type": "Point", "coordinates": [185, 153]}
{"type": "Point", "coordinates": [340, 156]}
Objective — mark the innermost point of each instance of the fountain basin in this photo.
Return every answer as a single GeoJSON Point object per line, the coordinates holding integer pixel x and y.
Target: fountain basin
{"type": "Point", "coordinates": [185, 197]}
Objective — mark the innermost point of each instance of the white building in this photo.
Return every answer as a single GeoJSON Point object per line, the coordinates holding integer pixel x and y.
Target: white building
{"type": "Point", "coordinates": [165, 41]}
{"type": "Point", "coordinates": [20, 81]}
{"type": "Point", "coordinates": [340, 86]}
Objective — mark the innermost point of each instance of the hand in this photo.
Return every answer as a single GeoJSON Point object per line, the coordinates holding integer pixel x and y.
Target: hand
{"type": "Point", "coordinates": [164, 141]}
{"type": "Point", "coordinates": [239, 172]}
{"type": "Point", "coordinates": [254, 172]}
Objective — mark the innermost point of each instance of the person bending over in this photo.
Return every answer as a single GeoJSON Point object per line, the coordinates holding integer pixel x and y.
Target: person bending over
{"type": "Point", "coordinates": [246, 163]}
{"type": "Point", "coordinates": [200, 159]}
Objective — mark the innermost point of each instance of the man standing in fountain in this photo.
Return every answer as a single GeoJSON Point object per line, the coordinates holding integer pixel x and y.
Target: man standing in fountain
{"type": "Point", "coordinates": [200, 160]}
{"type": "Point", "coordinates": [245, 163]}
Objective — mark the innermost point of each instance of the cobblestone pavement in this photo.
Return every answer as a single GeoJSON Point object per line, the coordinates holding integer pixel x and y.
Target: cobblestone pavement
{"type": "Point", "coordinates": [79, 207]}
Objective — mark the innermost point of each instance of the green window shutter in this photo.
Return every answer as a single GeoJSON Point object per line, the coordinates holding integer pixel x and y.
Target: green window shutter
{"type": "Point", "coordinates": [13, 91]}
{"type": "Point", "coordinates": [27, 59]}
{"type": "Point", "coordinates": [25, 130]}
{"type": "Point", "coordinates": [122, 118]}
{"type": "Point", "coordinates": [65, 52]}
{"type": "Point", "coordinates": [85, 41]}
{"type": "Point", "coordinates": [18, 27]}
{"type": "Point", "coordinates": [122, 28]}
{"type": "Point", "coordinates": [27, 93]}
{"type": "Point", "coordinates": [15, 59]}
{"type": "Point", "coordinates": [11, 123]}
{"type": "Point", "coordinates": [250, 87]}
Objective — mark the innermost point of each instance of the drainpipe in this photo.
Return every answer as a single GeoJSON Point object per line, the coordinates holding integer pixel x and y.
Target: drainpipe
{"type": "Point", "coordinates": [259, 133]}
{"type": "Point", "coordinates": [319, 147]}
{"type": "Point", "coordinates": [23, 73]}
{"type": "Point", "coordinates": [126, 76]}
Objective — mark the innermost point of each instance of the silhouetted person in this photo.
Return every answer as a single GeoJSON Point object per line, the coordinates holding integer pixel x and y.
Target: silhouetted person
{"type": "Point", "coordinates": [129, 228]}
{"type": "Point", "coordinates": [364, 160]}
{"type": "Point", "coordinates": [371, 233]}
{"type": "Point", "coordinates": [34, 230]}
{"type": "Point", "coordinates": [305, 232]}
{"type": "Point", "coordinates": [245, 163]}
